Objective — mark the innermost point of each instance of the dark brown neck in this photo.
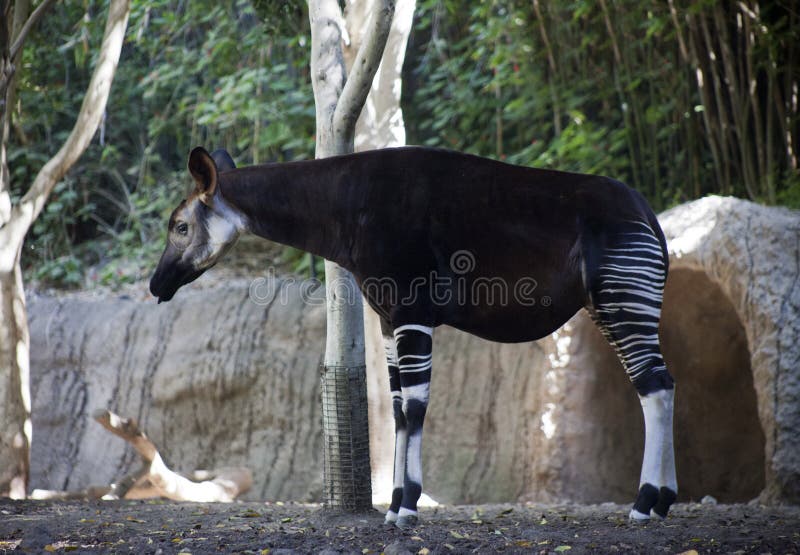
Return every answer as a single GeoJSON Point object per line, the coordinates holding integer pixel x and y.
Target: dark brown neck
{"type": "Point", "coordinates": [300, 204]}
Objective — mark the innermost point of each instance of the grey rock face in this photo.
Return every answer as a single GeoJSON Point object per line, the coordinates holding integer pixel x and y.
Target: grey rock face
{"type": "Point", "coordinates": [214, 378]}
{"type": "Point", "coordinates": [752, 253]}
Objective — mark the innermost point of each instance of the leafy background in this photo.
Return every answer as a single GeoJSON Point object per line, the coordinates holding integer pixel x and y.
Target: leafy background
{"type": "Point", "coordinates": [678, 98]}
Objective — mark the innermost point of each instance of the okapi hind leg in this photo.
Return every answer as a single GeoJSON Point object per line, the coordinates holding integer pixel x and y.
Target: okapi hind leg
{"type": "Point", "coordinates": [658, 486]}
{"type": "Point", "coordinates": [626, 291]}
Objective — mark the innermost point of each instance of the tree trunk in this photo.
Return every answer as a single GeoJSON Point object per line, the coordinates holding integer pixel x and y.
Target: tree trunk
{"type": "Point", "coordinates": [15, 398]}
{"type": "Point", "coordinates": [15, 220]}
{"type": "Point", "coordinates": [15, 403]}
{"type": "Point", "coordinates": [339, 99]}
{"type": "Point", "coordinates": [380, 126]}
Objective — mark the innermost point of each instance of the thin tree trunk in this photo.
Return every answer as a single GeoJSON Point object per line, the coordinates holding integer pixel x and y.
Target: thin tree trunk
{"type": "Point", "coordinates": [498, 121]}
{"type": "Point", "coordinates": [339, 99]}
{"type": "Point", "coordinates": [788, 112]}
{"type": "Point", "coordinates": [630, 125]}
{"type": "Point", "coordinates": [739, 137]}
{"type": "Point", "coordinates": [380, 126]}
{"type": "Point", "coordinates": [769, 132]}
{"type": "Point", "coordinates": [705, 97]}
{"type": "Point", "coordinates": [689, 125]}
{"type": "Point", "coordinates": [6, 72]}
{"type": "Point", "coordinates": [15, 405]}
{"type": "Point", "coordinates": [263, 53]}
{"type": "Point", "coordinates": [15, 399]}
{"type": "Point", "coordinates": [749, 80]}
{"type": "Point", "coordinates": [721, 116]}
{"type": "Point", "coordinates": [553, 81]}
{"type": "Point", "coordinates": [15, 432]}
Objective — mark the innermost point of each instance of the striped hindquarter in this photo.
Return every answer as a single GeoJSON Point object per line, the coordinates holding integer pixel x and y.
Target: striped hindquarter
{"type": "Point", "coordinates": [626, 294]}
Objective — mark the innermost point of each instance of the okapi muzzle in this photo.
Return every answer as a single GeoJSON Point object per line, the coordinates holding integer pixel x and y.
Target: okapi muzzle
{"type": "Point", "coordinates": [172, 273]}
{"type": "Point", "coordinates": [201, 229]}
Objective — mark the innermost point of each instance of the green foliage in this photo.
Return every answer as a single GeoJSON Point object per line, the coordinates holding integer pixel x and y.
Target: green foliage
{"type": "Point", "coordinates": [300, 262]}
{"type": "Point", "coordinates": [486, 88]}
{"type": "Point", "coordinates": [790, 194]}
{"type": "Point", "coordinates": [612, 87]}
{"type": "Point", "coordinates": [191, 73]}
{"type": "Point", "coordinates": [608, 87]}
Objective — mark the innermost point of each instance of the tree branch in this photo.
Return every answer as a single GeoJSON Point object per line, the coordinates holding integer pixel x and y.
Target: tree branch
{"type": "Point", "coordinates": [127, 429]}
{"type": "Point", "coordinates": [94, 104]}
{"type": "Point", "coordinates": [155, 479]}
{"type": "Point", "coordinates": [358, 83]}
{"type": "Point", "coordinates": [34, 18]}
{"type": "Point", "coordinates": [328, 72]}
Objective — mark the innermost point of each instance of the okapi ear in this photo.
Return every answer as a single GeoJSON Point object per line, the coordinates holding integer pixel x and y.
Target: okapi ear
{"type": "Point", "coordinates": [223, 160]}
{"type": "Point", "coordinates": [204, 172]}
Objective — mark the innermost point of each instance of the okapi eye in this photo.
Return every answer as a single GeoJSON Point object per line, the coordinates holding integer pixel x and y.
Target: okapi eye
{"type": "Point", "coordinates": [182, 228]}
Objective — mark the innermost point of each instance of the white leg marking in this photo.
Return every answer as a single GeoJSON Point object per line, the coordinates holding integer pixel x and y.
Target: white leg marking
{"type": "Point", "coordinates": [390, 348]}
{"type": "Point", "coordinates": [658, 467]}
{"type": "Point", "coordinates": [406, 512]}
{"type": "Point", "coordinates": [400, 448]}
{"type": "Point", "coordinates": [636, 515]}
{"type": "Point", "coordinates": [413, 461]}
{"type": "Point", "coordinates": [415, 327]}
{"type": "Point", "coordinates": [419, 392]}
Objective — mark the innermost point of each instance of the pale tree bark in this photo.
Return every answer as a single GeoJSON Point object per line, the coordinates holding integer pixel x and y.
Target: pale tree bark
{"type": "Point", "coordinates": [15, 221]}
{"type": "Point", "coordinates": [155, 478]}
{"type": "Point", "coordinates": [339, 98]}
{"type": "Point", "coordinates": [380, 126]}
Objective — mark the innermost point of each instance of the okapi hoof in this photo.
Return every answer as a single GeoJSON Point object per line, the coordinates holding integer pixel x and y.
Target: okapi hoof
{"type": "Point", "coordinates": [666, 497]}
{"type": "Point", "coordinates": [647, 499]}
{"type": "Point", "coordinates": [405, 522]}
{"type": "Point", "coordinates": [391, 517]}
{"type": "Point", "coordinates": [638, 518]}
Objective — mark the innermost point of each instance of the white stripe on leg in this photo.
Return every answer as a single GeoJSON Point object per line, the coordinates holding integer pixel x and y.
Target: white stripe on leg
{"type": "Point", "coordinates": [420, 393]}
{"type": "Point", "coordinates": [400, 450]}
{"type": "Point", "coordinates": [390, 349]}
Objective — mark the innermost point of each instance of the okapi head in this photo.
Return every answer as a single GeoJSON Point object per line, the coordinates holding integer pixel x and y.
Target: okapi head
{"type": "Point", "coordinates": [201, 229]}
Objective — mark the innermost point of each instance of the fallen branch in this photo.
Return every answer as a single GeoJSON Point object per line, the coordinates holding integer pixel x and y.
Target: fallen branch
{"type": "Point", "coordinates": [154, 478]}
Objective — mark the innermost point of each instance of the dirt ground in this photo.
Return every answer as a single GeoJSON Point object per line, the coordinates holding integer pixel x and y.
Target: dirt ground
{"type": "Point", "coordinates": [283, 529]}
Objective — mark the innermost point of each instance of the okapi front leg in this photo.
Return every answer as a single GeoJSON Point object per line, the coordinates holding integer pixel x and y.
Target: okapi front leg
{"type": "Point", "coordinates": [414, 350]}
{"type": "Point", "coordinates": [400, 431]}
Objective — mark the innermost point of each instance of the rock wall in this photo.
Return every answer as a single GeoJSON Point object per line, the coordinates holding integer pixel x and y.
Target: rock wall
{"type": "Point", "coordinates": [218, 379]}
{"type": "Point", "coordinates": [752, 253]}
{"type": "Point", "coordinates": [214, 378]}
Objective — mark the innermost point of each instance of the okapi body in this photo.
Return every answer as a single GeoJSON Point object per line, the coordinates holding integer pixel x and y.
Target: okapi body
{"type": "Point", "coordinates": [435, 237]}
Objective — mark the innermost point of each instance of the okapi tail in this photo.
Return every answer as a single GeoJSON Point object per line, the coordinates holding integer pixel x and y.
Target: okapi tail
{"type": "Point", "coordinates": [659, 233]}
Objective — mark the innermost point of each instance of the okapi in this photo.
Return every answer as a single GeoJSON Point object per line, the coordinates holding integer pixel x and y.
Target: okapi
{"type": "Point", "coordinates": [405, 215]}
